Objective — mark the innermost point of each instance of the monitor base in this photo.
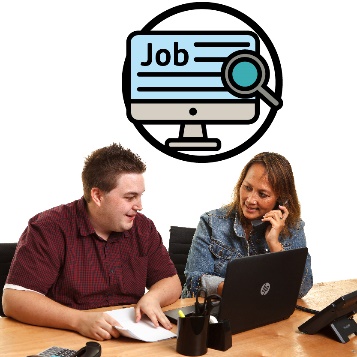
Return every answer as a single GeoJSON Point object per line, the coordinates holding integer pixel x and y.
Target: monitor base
{"type": "Point", "coordinates": [193, 137]}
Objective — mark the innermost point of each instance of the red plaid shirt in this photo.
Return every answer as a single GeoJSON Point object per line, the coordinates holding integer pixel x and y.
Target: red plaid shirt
{"type": "Point", "coordinates": [60, 255]}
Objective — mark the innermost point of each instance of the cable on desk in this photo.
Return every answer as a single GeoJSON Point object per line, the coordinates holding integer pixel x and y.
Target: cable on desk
{"type": "Point", "coordinates": [306, 309]}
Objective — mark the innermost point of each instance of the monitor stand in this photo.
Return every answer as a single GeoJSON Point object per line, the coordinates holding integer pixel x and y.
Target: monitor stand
{"type": "Point", "coordinates": [193, 137]}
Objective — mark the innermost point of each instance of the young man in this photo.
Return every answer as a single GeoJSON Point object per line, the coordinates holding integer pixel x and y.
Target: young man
{"type": "Point", "coordinates": [94, 252]}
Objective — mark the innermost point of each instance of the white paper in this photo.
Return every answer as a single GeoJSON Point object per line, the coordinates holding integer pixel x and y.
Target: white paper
{"type": "Point", "coordinates": [143, 330]}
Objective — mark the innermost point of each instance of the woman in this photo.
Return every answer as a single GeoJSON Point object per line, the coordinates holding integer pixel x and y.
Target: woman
{"type": "Point", "coordinates": [263, 217]}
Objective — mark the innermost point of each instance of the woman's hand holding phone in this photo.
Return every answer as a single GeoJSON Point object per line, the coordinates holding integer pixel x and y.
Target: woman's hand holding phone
{"type": "Point", "coordinates": [276, 218]}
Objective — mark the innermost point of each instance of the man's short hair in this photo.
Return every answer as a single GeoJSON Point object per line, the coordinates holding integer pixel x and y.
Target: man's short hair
{"type": "Point", "coordinates": [103, 167]}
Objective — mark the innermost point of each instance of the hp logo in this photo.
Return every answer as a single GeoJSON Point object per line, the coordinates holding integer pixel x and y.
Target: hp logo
{"type": "Point", "coordinates": [265, 289]}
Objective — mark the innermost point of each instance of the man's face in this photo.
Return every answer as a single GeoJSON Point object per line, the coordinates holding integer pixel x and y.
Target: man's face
{"type": "Point", "coordinates": [119, 206]}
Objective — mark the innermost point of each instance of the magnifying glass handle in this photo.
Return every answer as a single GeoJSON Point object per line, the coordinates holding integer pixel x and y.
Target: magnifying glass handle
{"type": "Point", "coordinates": [277, 103]}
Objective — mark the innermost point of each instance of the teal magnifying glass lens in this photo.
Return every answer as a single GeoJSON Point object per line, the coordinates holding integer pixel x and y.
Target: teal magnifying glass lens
{"type": "Point", "coordinates": [245, 74]}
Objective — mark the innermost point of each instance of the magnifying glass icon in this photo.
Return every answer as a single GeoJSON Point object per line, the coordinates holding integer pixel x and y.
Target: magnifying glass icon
{"type": "Point", "coordinates": [245, 72]}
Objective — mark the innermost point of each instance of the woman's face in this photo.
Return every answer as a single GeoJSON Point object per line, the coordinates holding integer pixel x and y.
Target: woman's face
{"type": "Point", "coordinates": [256, 194]}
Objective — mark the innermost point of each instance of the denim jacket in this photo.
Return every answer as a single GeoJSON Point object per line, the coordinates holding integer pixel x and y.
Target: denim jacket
{"type": "Point", "coordinates": [219, 239]}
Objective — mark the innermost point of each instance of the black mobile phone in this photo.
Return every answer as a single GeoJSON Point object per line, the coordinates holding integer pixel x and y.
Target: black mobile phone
{"type": "Point", "coordinates": [258, 222]}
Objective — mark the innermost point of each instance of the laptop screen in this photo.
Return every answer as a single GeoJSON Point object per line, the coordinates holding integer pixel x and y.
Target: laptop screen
{"type": "Point", "coordinates": [259, 290]}
{"type": "Point", "coordinates": [262, 289]}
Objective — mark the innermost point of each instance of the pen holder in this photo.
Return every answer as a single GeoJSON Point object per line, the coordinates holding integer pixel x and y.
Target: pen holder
{"type": "Point", "coordinates": [192, 335]}
{"type": "Point", "coordinates": [219, 336]}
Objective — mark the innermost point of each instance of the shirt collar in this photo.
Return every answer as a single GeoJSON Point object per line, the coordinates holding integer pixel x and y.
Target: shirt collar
{"type": "Point", "coordinates": [238, 228]}
{"type": "Point", "coordinates": [84, 225]}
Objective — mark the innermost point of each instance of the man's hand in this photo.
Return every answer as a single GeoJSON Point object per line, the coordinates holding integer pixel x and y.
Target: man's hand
{"type": "Point", "coordinates": [164, 292]}
{"type": "Point", "coordinates": [97, 325]}
{"type": "Point", "coordinates": [150, 306]}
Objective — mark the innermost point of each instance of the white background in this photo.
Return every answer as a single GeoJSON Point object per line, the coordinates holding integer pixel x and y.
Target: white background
{"type": "Point", "coordinates": [60, 99]}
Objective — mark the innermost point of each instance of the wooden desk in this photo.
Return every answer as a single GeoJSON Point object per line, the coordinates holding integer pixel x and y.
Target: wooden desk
{"type": "Point", "coordinates": [278, 339]}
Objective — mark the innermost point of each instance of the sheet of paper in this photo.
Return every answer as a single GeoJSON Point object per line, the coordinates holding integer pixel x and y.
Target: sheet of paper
{"type": "Point", "coordinates": [143, 330]}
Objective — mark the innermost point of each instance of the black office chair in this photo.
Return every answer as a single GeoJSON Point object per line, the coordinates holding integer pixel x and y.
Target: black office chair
{"type": "Point", "coordinates": [179, 246]}
{"type": "Point", "coordinates": [7, 251]}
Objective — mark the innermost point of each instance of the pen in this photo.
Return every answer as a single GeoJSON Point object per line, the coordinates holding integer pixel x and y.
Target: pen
{"type": "Point", "coordinates": [181, 314]}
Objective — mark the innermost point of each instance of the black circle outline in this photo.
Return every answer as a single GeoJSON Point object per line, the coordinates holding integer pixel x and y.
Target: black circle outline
{"type": "Point", "coordinates": [278, 82]}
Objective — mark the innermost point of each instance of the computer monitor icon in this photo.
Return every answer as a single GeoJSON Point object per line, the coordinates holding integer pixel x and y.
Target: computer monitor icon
{"type": "Point", "coordinates": [195, 78]}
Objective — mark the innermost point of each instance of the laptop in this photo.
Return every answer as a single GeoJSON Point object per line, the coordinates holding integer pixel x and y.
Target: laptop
{"type": "Point", "coordinates": [258, 290]}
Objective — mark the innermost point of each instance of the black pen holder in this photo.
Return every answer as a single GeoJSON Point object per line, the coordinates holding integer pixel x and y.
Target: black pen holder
{"type": "Point", "coordinates": [219, 336]}
{"type": "Point", "coordinates": [192, 332]}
